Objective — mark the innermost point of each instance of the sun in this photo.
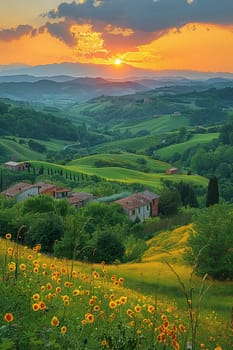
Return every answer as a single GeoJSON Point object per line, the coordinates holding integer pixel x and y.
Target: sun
{"type": "Point", "coordinates": [118, 61]}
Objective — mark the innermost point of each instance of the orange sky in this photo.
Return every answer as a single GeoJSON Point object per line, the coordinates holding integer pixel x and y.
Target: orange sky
{"type": "Point", "coordinates": [195, 46]}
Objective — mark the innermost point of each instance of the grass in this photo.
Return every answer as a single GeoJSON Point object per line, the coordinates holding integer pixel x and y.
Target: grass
{"type": "Point", "coordinates": [56, 303]}
{"type": "Point", "coordinates": [124, 175]}
{"type": "Point", "coordinates": [198, 139]}
{"type": "Point", "coordinates": [155, 125]}
{"type": "Point", "coordinates": [22, 151]}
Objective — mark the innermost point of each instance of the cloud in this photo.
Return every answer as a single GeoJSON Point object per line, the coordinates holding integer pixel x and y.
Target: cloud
{"type": "Point", "coordinates": [147, 15]}
{"type": "Point", "coordinates": [16, 33]}
{"type": "Point", "coordinates": [60, 30]}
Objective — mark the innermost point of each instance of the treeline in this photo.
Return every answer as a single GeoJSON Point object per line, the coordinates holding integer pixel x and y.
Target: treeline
{"type": "Point", "coordinates": [28, 123]}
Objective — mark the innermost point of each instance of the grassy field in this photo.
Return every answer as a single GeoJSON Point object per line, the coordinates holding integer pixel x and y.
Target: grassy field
{"type": "Point", "coordinates": [155, 125]}
{"type": "Point", "coordinates": [153, 180]}
{"type": "Point", "coordinates": [56, 303]}
{"type": "Point", "coordinates": [21, 151]}
{"type": "Point", "coordinates": [198, 139]}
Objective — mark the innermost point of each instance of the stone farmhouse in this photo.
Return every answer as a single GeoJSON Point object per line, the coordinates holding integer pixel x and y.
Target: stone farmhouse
{"type": "Point", "coordinates": [141, 205]}
{"type": "Point", "coordinates": [23, 190]}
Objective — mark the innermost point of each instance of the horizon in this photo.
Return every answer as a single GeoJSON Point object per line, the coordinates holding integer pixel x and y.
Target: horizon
{"type": "Point", "coordinates": [153, 35]}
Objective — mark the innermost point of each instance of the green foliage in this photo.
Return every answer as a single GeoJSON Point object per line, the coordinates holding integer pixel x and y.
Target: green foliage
{"type": "Point", "coordinates": [169, 201]}
{"type": "Point", "coordinates": [108, 248]}
{"type": "Point", "coordinates": [24, 122]}
{"type": "Point", "coordinates": [36, 146]}
{"type": "Point", "coordinates": [212, 192]}
{"type": "Point", "coordinates": [38, 204]}
{"type": "Point", "coordinates": [44, 229]}
{"type": "Point", "coordinates": [211, 242]}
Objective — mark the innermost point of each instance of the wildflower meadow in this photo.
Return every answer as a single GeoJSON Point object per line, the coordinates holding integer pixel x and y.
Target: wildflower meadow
{"type": "Point", "coordinates": [48, 303]}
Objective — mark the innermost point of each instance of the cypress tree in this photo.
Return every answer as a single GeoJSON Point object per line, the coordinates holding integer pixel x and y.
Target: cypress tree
{"type": "Point", "coordinates": [213, 192]}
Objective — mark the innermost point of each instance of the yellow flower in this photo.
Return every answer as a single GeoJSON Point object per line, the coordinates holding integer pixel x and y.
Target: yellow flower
{"type": "Point", "coordinates": [112, 304]}
{"type": "Point", "coordinates": [89, 318]}
{"type": "Point", "coordinates": [12, 266]}
{"type": "Point", "coordinates": [76, 292]}
{"type": "Point", "coordinates": [137, 308]}
{"type": "Point", "coordinates": [58, 289]}
{"type": "Point", "coordinates": [123, 299]}
{"type": "Point", "coordinates": [42, 305]}
{"type": "Point", "coordinates": [36, 296]}
{"type": "Point", "coordinates": [35, 307]}
{"type": "Point", "coordinates": [151, 309]}
{"type": "Point", "coordinates": [63, 329]}
{"type": "Point", "coordinates": [49, 286]}
{"type": "Point", "coordinates": [96, 275]}
{"type": "Point", "coordinates": [8, 317]}
{"type": "Point", "coordinates": [129, 313]}
{"type": "Point", "coordinates": [96, 308]}
{"type": "Point", "coordinates": [30, 257]}
{"type": "Point", "coordinates": [10, 251]}
{"type": "Point", "coordinates": [218, 348]}
{"type": "Point", "coordinates": [104, 343]}
{"type": "Point", "coordinates": [55, 321]}
{"type": "Point", "coordinates": [8, 236]}
{"type": "Point", "coordinates": [22, 267]}
{"type": "Point", "coordinates": [121, 279]}
{"type": "Point", "coordinates": [67, 284]}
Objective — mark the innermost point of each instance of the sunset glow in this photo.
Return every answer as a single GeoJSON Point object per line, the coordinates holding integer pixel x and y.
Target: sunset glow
{"type": "Point", "coordinates": [188, 35]}
{"type": "Point", "coordinates": [118, 61]}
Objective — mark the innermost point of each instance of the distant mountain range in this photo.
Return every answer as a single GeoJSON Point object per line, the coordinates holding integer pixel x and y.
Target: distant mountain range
{"type": "Point", "coordinates": [122, 71]}
{"type": "Point", "coordinates": [54, 85]}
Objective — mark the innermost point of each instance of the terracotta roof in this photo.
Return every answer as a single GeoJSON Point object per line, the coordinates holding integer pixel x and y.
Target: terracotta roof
{"type": "Point", "coordinates": [150, 195]}
{"type": "Point", "coordinates": [16, 189]}
{"type": "Point", "coordinates": [137, 200]}
{"type": "Point", "coordinates": [134, 201]}
{"type": "Point", "coordinates": [61, 189]}
{"type": "Point", "coordinates": [79, 197]}
{"type": "Point", "coordinates": [44, 186]}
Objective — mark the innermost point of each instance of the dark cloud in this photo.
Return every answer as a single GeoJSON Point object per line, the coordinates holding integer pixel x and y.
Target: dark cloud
{"type": "Point", "coordinates": [16, 33]}
{"type": "Point", "coordinates": [148, 15]}
{"type": "Point", "coordinates": [60, 30]}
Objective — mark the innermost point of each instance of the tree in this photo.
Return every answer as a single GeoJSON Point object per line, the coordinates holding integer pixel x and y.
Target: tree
{"type": "Point", "coordinates": [108, 248]}
{"type": "Point", "coordinates": [169, 202]}
{"type": "Point", "coordinates": [211, 242]}
{"type": "Point", "coordinates": [44, 229]}
{"type": "Point", "coordinates": [39, 204]}
{"type": "Point", "coordinates": [212, 192]}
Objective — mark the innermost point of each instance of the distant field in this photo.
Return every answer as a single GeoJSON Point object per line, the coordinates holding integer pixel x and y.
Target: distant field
{"type": "Point", "coordinates": [155, 125]}
{"type": "Point", "coordinates": [153, 180]}
{"type": "Point", "coordinates": [167, 152]}
{"type": "Point", "coordinates": [135, 144]}
{"type": "Point", "coordinates": [86, 164]}
{"type": "Point", "coordinates": [125, 160]}
{"type": "Point", "coordinates": [21, 151]}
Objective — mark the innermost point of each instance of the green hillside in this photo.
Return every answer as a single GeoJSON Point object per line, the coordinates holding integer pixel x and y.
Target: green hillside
{"type": "Point", "coordinates": [17, 148]}
{"type": "Point", "coordinates": [197, 139]}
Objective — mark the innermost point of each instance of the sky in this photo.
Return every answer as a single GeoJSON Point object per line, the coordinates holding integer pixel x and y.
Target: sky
{"type": "Point", "coordinates": [149, 34]}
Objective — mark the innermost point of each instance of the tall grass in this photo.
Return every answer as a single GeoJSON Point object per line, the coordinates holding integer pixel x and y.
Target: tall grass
{"type": "Point", "coordinates": [48, 303]}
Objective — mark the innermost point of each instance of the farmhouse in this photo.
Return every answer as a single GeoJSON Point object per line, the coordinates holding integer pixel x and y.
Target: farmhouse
{"type": "Point", "coordinates": [15, 166]}
{"type": "Point", "coordinates": [172, 171]}
{"type": "Point", "coordinates": [140, 205]}
{"type": "Point", "coordinates": [80, 199]}
{"type": "Point", "coordinates": [21, 191]}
